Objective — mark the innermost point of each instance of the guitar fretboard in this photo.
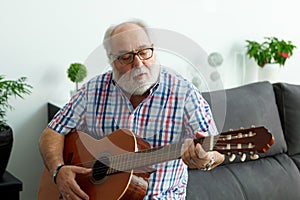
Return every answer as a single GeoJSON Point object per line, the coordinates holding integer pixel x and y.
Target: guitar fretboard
{"type": "Point", "coordinates": [135, 160]}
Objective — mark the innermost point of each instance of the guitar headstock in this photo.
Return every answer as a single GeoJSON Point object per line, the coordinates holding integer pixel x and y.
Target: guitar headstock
{"type": "Point", "coordinates": [244, 141]}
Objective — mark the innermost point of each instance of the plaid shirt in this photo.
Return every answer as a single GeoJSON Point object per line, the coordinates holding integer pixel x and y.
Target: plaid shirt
{"type": "Point", "coordinates": [174, 110]}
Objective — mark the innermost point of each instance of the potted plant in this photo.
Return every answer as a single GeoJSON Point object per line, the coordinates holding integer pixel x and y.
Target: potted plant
{"type": "Point", "coordinates": [8, 88]}
{"type": "Point", "coordinates": [270, 51]}
{"type": "Point", "coordinates": [76, 73]}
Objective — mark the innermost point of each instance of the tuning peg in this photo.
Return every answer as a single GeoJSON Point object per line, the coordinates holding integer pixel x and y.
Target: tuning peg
{"type": "Point", "coordinates": [251, 134]}
{"type": "Point", "coordinates": [254, 156]}
{"type": "Point", "coordinates": [232, 157]}
{"type": "Point", "coordinates": [230, 129]}
{"type": "Point", "coordinates": [250, 146]}
{"type": "Point", "coordinates": [228, 137]}
{"type": "Point", "coordinates": [252, 126]}
{"type": "Point", "coordinates": [243, 157]}
{"type": "Point", "coordinates": [242, 128]}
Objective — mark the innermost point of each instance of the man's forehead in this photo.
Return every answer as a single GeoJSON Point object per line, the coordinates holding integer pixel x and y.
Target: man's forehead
{"type": "Point", "coordinates": [129, 40]}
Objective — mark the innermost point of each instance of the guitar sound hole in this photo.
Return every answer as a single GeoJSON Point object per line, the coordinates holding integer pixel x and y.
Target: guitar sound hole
{"type": "Point", "coordinates": [100, 168]}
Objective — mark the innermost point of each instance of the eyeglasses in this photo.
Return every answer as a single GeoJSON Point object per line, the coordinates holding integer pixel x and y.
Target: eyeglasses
{"type": "Point", "coordinates": [128, 58]}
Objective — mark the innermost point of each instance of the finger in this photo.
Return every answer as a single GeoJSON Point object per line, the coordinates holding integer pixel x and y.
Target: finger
{"type": "Point", "coordinates": [219, 158]}
{"type": "Point", "coordinates": [186, 145]}
{"type": "Point", "coordinates": [186, 157]}
{"type": "Point", "coordinates": [67, 197]}
{"type": "Point", "coordinates": [81, 170]}
{"type": "Point", "coordinates": [199, 134]}
{"type": "Point", "coordinates": [192, 152]}
{"type": "Point", "coordinates": [200, 156]}
{"type": "Point", "coordinates": [68, 185]}
{"type": "Point", "coordinates": [222, 158]}
{"type": "Point", "coordinates": [77, 192]}
{"type": "Point", "coordinates": [72, 196]}
{"type": "Point", "coordinates": [192, 156]}
{"type": "Point", "coordinates": [199, 151]}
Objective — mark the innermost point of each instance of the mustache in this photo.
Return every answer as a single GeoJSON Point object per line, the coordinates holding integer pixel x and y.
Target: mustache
{"type": "Point", "coordinates": [139, 71]}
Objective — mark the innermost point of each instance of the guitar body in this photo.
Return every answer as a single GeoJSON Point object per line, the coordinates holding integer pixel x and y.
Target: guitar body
{"type": "Point", "coordinates": [82, 150]}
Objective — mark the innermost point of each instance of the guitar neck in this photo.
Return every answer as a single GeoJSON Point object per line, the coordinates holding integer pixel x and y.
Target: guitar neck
{"type": "Point", "coordinates": [251, 140]}
{"type": "Point", "coordinates": [135, 160]}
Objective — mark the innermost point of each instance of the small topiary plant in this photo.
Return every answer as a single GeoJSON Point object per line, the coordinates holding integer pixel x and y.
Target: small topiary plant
{"type": "Point", "coordinates": [76, 73]}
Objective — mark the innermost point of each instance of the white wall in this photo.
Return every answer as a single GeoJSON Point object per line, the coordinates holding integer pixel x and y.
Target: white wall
{"type": "Point", "coordinates": [39, 39]}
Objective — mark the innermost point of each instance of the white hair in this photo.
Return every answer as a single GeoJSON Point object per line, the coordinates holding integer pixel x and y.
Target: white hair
{"type": "Point", "coordinates": [112, 28]}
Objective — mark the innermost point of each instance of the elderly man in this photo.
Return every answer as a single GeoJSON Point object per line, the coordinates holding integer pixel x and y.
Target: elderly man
{"type": "Point", "coordinates": [138, 94]}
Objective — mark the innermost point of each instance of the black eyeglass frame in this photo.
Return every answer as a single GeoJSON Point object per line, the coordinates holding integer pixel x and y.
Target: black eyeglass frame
{"type": "Point", "coordinates": [133, 55]}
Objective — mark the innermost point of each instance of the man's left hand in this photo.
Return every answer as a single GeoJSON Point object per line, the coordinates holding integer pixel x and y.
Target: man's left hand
{"type": "Point", "coordinates": [196, 157]}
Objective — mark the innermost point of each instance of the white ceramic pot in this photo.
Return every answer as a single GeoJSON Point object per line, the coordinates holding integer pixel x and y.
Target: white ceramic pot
{"type": "Point", "coordinates": [270, 72]}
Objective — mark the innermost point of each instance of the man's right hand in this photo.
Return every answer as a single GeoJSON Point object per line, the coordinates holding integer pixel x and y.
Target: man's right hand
{"type": "Point", "coordinates": [67, 184]}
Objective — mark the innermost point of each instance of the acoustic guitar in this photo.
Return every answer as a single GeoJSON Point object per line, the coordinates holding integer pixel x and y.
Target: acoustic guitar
{"type": "Point", "coordinates": [120, 161]}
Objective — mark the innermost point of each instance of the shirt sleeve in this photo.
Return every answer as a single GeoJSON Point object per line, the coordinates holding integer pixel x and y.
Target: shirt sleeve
{"type": "Point", "coordinates": [71, 115]}
{"type": "Point", "coordinates": [198, 116]}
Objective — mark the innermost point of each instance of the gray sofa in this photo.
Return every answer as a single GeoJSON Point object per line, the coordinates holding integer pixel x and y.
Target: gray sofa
{"type": "Point", "coordinates": [275, 175]}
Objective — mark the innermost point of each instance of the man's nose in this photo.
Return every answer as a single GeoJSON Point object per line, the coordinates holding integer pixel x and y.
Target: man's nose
{"type": "Point", "coordinates": [137, 62]}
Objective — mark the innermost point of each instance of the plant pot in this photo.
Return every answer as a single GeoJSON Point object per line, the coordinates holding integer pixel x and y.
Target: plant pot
{"type": "Point", "coordinates": [6, 142]}
{"type": "Point", "coordinates": [270, 72]}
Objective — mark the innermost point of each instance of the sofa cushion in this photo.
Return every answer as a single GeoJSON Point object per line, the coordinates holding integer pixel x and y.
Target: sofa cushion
{"type": "Point", "coordinates": [296, 159]}
{"type": "Point", "coordinates": [252, 104]}
{"type": "Point", "coordinates": [273, 178]}
{"type": "Point", "coordinates": [288, 101]}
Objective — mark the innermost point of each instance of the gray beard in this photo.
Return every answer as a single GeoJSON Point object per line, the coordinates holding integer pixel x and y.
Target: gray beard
{"type": "Point", "coordinates": [130, 84]}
